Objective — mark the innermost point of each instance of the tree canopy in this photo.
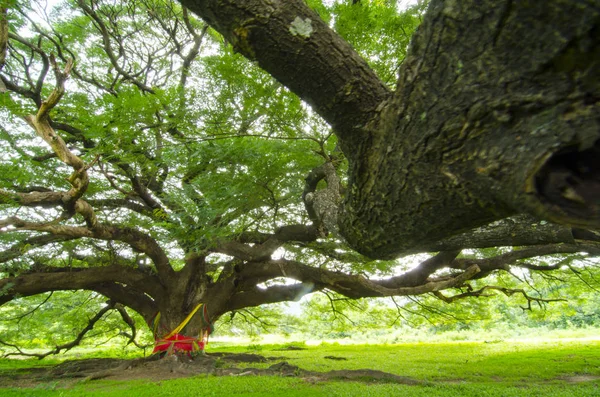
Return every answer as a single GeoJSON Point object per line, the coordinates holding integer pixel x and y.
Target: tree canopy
{"type": "Point", "coordinates": [163, 154]}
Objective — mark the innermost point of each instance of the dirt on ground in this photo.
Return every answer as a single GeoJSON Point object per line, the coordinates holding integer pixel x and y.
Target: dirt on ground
{"type": "Point", "coordinates": [171, 367]}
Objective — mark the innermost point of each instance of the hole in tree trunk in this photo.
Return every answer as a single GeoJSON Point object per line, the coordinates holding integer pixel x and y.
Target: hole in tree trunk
{"type": "Point", "coordinates": [570, 180]}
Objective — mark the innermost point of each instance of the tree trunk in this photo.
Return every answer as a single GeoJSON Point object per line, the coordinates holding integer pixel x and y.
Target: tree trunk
{"type": "Point", "coordinates": [189, 293]}
{"type": "Point", "coordinates": [181, 331]}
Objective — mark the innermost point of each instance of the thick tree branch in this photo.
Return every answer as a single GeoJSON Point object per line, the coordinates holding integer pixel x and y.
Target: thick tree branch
{"type": "Point", "coordinates": [352, 286]}
{"type": "Point", "coordinates": [521, 230]}
{"type": "Point", "coordinates": [273, 294]}
{"type": "Point", "coordinates": [131, 297]}
{"type": "Point", "coordinates": [470, 103]}
{"type": "Point", "coordinates": [94, 279]}
{"type": "Point", "coordinates": [311, 59]}
{"type": "Point", "coordinates": [134, 238]}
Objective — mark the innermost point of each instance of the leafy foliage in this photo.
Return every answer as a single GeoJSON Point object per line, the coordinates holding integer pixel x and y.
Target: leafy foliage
{"type": "Point", "coordinates": [177, 172]}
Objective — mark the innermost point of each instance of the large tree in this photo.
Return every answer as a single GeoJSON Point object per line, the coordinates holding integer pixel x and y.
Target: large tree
{"type": "Point", "coordinates": [144, 159]}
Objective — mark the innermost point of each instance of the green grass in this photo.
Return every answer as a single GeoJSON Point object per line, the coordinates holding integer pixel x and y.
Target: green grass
{"type": "Point", "coordinates": [267, 386]}
{"type": "Point", "coordinates": [454, 369]}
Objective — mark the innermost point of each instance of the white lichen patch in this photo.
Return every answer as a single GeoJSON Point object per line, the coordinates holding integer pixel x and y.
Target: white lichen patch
{"type": "Point", "coordinates": [301, 27]}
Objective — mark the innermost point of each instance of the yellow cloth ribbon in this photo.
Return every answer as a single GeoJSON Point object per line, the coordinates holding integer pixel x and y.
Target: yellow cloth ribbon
{"type": "Point", "coordinates": [184, 322]}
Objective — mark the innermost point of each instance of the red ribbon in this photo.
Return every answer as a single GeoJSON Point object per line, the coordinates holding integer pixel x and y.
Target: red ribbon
{"type": "Point", "coordinates": [178, 343]}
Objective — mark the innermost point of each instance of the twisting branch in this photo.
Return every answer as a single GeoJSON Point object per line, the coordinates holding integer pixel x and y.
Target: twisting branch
{"type": "Point", "coordinates": [41, 121]}
{"type": "Point", "coordinates": [259, 246]}
{"type": "Point", "coordinates": [131, 323]}
{"type": "Point", "coordinates": [79, 180]}
{"type": "Point", "coordinates": [506, 291]}
{"type": "Point", "coordinates": [66, 346]}
{"type": "Point", "coordinates": [114, 58]}
{"type": "Point", "coordinates": [3, 41]}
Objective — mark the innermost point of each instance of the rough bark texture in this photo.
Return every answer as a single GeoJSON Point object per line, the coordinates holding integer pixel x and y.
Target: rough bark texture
{"type": "Point", "coordinates": [496, 113]}
{"type": "Point", "coordinates": [291, 42]}
{"type": "Point", "coordinates": [482, 104]}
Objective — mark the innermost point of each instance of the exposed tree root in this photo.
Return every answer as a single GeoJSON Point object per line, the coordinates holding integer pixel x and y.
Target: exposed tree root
{"type": "Point", "coordinates": [217, 364]}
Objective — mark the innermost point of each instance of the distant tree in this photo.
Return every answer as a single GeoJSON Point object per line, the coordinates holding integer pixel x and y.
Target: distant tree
{"type": "Point", "coordinates": [145, 160]}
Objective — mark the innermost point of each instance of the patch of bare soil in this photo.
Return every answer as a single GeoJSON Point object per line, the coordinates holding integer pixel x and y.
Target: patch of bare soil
{"type": "Point", "coordinates": [290, 348]}
{"type": "Point", "coordinates": [218, 364]}
{"type": "Point", "coordinates": [580, 378]}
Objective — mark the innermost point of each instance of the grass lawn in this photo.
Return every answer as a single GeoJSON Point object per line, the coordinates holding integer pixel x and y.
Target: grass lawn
{"type": "Point", "coordinates": [556, 368]}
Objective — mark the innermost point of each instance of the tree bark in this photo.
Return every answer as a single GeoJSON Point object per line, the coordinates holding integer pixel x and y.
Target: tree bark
{"type": "Point", "coordinates": [491, 98]}
{"type": "Point", "coordinates": [495, 113]}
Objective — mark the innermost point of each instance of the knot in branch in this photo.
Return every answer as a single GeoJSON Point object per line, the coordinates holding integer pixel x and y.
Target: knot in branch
{"type": "Point", "coordinates": [322, 205]}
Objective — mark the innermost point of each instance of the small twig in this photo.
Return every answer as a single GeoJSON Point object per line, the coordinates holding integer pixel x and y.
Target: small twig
{"type": "Point", "coordinates": [22, 316]}
{"type": "Point", "coordinates": [578, 275]}
{"type": "Point", "coordinates": [506, 291]}
{"type": "Point", "coordinates": [264, 325]}
{"type": "Point", "coordinates": [65, 346]}
{"type": "Point", "coordinates": [334, 309]}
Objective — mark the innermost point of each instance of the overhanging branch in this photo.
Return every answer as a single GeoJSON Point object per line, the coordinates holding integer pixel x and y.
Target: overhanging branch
{"type": "Point", "coordinates": [273, 294]}
{"type": "Point", "coordinates": [104, 279]}
{"type": "Point", "coordinates": [520, 230]}
{"type": "Point", "coordinates": [504, 261]}
{"type": "Point", "coordinates": [352, 286]}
